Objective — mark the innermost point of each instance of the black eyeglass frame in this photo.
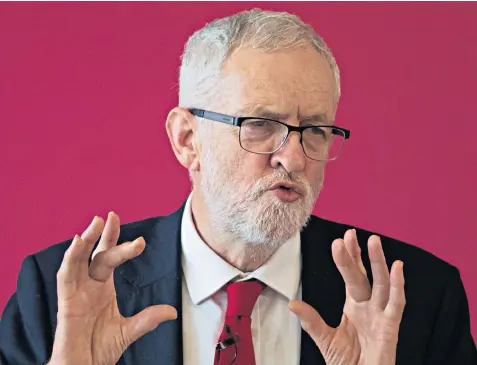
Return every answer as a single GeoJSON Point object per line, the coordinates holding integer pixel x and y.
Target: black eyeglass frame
{"type": "Point", "coordinates": [238, 121]}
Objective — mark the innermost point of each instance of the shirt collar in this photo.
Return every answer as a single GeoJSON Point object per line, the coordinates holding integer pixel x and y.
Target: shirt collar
{"type": "Point", "coordinates": [205, 272]}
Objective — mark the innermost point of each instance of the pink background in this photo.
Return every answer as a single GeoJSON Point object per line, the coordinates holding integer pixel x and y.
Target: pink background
{"type": "Point", "coordinates": [85, 89]}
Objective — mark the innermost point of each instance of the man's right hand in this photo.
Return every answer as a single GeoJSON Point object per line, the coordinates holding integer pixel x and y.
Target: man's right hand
{"type": "Point", "coordinates": [90, 329]}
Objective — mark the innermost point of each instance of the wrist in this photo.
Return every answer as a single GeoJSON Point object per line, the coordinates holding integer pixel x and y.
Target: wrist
{"type": "Point", "coordinates": [382, 355]}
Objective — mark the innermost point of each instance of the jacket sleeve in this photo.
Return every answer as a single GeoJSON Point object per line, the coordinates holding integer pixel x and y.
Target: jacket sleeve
{"type": "Point", "coordinates": [451, 342]}
{"type": "Point", "coordinates": [26, 333]}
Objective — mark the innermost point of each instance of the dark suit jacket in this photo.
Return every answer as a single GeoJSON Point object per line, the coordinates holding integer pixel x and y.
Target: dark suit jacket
{"type": "Point", "coordinates": [434, 330]}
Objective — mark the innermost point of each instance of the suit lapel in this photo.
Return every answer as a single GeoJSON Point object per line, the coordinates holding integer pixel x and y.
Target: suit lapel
{"type": "Point", "coordinates": [153, 278]}
{"type": "Point", "coordinates": [322, 285]}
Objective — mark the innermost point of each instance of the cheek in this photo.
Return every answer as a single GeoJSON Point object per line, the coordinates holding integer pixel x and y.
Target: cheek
{"type": "Point", "coordinates": [242, 164]}
{"type": "Point", "coordinates": [315, 173]}
{"type": "Point", "coordinates": [251, 167]}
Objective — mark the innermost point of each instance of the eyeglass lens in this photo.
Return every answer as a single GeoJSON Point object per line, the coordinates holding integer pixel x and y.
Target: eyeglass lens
{"type": "Point", "coordinates": [266, 136]}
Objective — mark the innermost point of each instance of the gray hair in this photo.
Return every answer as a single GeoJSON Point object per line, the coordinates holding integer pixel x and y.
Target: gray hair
{"type": "Point", "coordinates": [208, 48]}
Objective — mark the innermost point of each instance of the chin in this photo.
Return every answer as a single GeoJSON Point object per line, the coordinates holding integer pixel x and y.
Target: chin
{"type": "Point", "coordinates": [272, 221]}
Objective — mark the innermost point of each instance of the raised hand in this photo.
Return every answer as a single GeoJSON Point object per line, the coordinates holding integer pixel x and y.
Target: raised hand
{"type": "Point", "coordinates": [90, 329]}
{"type": "Point", "coordinates": [368, 332]}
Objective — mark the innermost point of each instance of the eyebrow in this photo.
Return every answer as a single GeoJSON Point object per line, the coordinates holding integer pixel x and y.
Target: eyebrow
{"type": "Point", "coordinates": [260, 111]}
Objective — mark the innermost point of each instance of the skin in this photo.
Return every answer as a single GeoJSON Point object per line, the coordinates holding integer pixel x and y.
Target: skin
{"type": "Point", "coordinates": [90, 329]}
{"type": "Point", "coordinates": [267, 83]}
{"type": "Point", "coordinates": [297, 84]}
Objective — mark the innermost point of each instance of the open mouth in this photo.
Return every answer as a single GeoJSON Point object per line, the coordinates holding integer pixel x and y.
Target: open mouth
{"type": "Point", "coordinates": [285, 192]}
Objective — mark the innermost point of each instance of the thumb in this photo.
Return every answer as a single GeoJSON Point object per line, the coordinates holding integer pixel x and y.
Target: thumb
{"type": "Point", "coordinates": [311, 322]}
{"type": "Point", "coordinates": [147, 320]}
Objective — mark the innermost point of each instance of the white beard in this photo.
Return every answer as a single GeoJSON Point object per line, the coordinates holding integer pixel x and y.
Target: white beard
{"type": "Point", "coordinates": [255, 217]}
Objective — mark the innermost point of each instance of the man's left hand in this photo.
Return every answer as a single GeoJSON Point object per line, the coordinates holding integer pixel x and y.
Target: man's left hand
{"type": "Point", "coordinates": [368, 332]}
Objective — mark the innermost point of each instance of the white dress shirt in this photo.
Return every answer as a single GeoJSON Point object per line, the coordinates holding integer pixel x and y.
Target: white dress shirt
{"type": "Point", "coordinates": [276, 331]}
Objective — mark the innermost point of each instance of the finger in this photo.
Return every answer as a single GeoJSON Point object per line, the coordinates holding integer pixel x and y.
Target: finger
{"type": "Point", "coordinates": [110, 235]}
{"type": "Point", "coordinates": [312, 323]}
{"type": "Point", "coordinates": [146, 321]}
{"type": "Point", "coordinates": [68, 275]}
{"type": "Point", "coordinates": [105, 262]}
{"type": "Point", "coordinates": [93, 231]}
{"type": "Point", "coordinates": [91, 235]}
{"type": "Point", "coordinates": [357, 284]}
{"type": "Point", "coordinates": [379, 268]}
{"type": "Point", "coordinates": [397, 298]}
{"type": "Point", "coordinates": [352, 246]}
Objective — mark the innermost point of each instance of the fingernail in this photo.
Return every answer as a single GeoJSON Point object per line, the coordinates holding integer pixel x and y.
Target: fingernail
{"type": "Point", "coordinates": [110, 214]}
{"type": "Point", "coordinates": [136, 240]}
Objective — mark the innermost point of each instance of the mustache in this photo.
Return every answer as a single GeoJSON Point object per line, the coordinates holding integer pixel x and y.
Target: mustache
{"type": "Point", "coordinates": [265, 183]}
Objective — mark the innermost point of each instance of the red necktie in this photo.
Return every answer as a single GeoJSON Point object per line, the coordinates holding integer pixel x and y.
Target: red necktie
{"type": "Point", "coordinates": [241, 298]}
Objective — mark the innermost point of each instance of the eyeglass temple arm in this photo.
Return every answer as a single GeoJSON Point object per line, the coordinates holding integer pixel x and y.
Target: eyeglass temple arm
{"type": "Point", "coordinates": [214, 116]}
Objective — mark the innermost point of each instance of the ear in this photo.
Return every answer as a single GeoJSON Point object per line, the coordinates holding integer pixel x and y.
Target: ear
{"type": "Point", "coordinates": [180, 127]}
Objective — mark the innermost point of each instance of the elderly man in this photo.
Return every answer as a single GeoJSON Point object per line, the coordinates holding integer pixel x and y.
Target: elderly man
{"type": "Point", "coordinates": [242, 273]}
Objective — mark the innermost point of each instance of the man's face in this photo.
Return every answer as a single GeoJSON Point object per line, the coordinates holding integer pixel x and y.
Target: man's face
{"type": "Point", "coordinates": [236, 184]}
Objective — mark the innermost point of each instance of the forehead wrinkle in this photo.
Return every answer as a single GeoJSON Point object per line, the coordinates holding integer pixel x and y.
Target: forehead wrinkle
{"type": "Point", "coordinates": [270, 112]}
{"type": "Point", "coordinates": [294, 91]}
{"type": "Point", "coordinates": [300, 94]}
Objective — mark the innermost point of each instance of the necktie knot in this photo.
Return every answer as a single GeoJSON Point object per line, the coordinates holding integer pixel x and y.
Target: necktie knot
{"type": "Point", "coordinates": [241, 297]}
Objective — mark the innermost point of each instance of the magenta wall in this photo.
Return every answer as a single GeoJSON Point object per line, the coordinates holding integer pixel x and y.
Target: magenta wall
{"type": "Point", "coordinates": [85, 89]}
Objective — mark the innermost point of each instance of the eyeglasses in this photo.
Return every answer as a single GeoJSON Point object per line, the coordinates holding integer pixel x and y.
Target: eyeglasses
{"type": "Point", "coordinates": [267, 136]}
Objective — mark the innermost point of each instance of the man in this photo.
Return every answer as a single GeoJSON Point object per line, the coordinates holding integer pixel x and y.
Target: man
{"type": "Point", "coordinates": [242, 273]}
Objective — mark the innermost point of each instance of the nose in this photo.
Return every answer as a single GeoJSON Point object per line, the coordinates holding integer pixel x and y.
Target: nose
{"type": "Point", "coordinates": [291, 155]}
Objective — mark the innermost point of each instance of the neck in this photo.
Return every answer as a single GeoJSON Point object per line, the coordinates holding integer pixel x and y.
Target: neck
{"type": "Point", "coordinates": [240, 254]}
